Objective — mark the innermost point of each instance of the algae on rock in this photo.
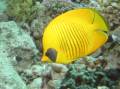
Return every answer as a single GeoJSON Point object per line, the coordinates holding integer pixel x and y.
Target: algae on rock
{"type": "Point", "coordinates": [12, 38]}
{"type": "Point", "coordinates": [2, 5]}
{"type": "Point", "coordinates": [81, 76]}
{"type": "Point", "coordinates": [22, 10]}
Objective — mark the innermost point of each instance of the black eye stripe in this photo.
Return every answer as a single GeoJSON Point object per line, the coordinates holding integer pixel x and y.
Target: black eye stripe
{"type": "Point", "coordinates": [51, 54]}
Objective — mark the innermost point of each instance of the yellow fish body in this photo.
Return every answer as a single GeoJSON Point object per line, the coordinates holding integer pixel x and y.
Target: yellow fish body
{"type": "Point", "coordinates": [74, 34]}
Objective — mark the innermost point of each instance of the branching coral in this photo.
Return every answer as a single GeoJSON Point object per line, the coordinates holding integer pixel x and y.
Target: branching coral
{"type": "Point", "coordinates": [22, 10]}
{"type": "Point", "coordinates": [79, 77]}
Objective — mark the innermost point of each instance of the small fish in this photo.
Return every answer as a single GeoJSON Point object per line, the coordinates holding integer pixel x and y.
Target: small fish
{"type": "Point", "coordinates": [74, 34]}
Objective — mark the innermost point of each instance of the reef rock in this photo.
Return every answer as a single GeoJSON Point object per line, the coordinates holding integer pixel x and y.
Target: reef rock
{"type": "Point", "coordinates": [15, 45]}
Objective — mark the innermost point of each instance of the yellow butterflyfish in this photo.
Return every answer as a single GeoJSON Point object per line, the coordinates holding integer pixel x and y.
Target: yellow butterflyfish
{"type": "Point", "coordinates": [74, 34]}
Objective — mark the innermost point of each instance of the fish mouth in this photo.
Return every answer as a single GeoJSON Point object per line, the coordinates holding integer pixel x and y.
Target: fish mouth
{"type": "Point", "coordinates": [45, 59]}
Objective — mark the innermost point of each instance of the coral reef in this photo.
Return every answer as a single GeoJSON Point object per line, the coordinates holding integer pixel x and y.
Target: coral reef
{"type": "Point", "coordinates": [12, 40]}
{"type": "Point", "coordinates": [21, 10]}
{"type": "Point", "coordinates": [81, 76]}
{"type": "Point", "coordinates": [111, 11]}
{"type": "Point", "coordinates": [20, 67]}
{"type": "Point", "coordinates": [3, 5]}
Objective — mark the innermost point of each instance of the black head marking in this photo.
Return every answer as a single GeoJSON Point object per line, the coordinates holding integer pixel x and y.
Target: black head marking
{"type": "Point", "coordinates": [52, 54]}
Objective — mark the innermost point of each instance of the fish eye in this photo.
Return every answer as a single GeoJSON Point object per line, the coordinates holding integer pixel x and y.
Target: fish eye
{"type": "Point", "coordinates": [51, 54]}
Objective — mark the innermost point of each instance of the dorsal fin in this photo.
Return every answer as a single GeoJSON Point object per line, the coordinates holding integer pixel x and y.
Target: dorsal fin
{"type": "Point", "coordinates": [93, 16]}
{"type": "Point", "coordinates": [99, 20]}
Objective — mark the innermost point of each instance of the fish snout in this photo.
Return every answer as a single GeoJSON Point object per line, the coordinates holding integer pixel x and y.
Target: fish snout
{"type": "Point", "coordinates": [44, 59]}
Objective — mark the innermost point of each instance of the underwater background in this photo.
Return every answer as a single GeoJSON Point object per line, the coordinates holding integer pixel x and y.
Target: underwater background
{"type": "Point", "coordinates": [22, 23]}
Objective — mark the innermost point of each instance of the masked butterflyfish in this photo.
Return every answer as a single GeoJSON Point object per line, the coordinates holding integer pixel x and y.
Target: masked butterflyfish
{"type": "Point", "coordinates": [74, 34]}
